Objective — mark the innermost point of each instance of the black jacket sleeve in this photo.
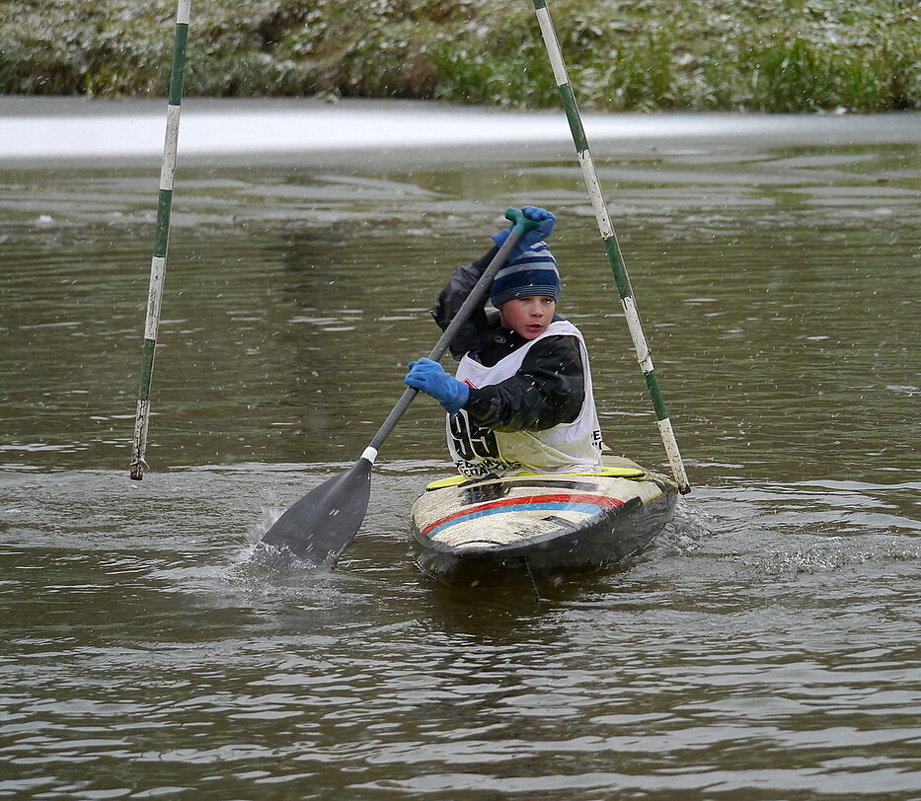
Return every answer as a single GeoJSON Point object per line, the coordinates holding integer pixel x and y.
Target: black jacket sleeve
{"type": "Point", "coordinates": [472, 334]}
{"type": "Point", "coordinates": [547, 390]}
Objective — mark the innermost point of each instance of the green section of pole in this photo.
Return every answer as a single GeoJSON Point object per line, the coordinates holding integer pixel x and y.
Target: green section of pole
{"type": "Point", "coordinates": [161, 239]}
{"type": "Point", "coordinates": [611, 246]}
{"type": "Point", "coordinates": [161, 232]}
{"type": "Point", "coordinates": [181, 38]}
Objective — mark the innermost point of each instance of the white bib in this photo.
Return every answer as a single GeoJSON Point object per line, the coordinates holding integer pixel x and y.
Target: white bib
{"type": "Point", "coordinates": [566, 447]}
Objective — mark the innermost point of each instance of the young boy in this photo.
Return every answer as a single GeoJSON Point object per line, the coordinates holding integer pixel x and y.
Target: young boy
{"type": "Point", "coordinates": [522, 399]}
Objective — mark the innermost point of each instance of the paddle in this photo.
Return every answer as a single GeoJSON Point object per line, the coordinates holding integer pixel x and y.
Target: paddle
{"type": "Point", "coordinates": [320, 526]}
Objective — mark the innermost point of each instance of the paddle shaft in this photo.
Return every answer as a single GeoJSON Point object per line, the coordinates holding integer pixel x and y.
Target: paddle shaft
{"type": "Point", "coordinates": [161, 239]}
{"type": "Point", "coordinates": [612, 248]}
{"type": "Point", "coordinates": [475, 298]}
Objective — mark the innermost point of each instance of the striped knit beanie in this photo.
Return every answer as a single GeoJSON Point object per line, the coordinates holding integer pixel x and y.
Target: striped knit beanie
{"type": "Point", "coordinates": [534, 272]}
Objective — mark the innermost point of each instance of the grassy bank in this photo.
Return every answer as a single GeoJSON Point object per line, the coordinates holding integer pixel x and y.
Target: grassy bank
{"type": "Point", "coordinates": [757, 55]}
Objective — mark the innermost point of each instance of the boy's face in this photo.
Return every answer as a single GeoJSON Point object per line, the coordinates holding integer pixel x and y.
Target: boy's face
{"type": "Point", "coordinates": [528, 317]}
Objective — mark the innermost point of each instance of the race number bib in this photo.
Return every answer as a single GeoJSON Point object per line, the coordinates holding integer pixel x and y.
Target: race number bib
{"type": "Point", "coordinates": [474, 449]}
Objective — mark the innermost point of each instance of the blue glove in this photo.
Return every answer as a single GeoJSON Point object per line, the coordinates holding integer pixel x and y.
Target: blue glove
{"type": "Point", "coordinates": [430, 377]}
{"type": "Point", "coordinates": [528, 238]}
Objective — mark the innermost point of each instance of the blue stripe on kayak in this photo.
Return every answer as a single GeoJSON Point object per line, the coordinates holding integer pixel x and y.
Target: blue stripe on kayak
{"type": "Point", "coordinates": [584, 508]}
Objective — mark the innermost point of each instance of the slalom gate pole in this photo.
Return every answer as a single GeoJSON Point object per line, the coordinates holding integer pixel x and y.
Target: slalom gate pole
{"type": "Point", "coordinates": [615, 257]}
{"type": "Point", "coordinates": [161, 238]}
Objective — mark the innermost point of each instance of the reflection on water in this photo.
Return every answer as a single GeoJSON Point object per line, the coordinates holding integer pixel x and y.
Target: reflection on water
{"type": "Point", "coordinates": [766, 645]}
{"type": "Point", "coordinates": [64, 128]}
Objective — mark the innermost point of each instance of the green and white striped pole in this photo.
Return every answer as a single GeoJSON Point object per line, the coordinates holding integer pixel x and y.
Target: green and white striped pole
{"type": "Point", "coordinates": [643, 355]}
{"type": "Point", "coordinates": [161, 238]}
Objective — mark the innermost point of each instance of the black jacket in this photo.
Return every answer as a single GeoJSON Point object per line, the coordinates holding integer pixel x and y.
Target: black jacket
{"type": "Point", "coordinates": [547, 390]}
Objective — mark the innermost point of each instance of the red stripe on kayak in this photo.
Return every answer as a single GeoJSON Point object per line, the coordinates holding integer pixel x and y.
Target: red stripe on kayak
{"type": "Point", "coordinates": [601, 501]}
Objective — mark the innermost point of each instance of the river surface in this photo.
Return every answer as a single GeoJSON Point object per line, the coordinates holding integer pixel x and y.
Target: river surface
{"type": "Point", "coordinates": [766, 646]}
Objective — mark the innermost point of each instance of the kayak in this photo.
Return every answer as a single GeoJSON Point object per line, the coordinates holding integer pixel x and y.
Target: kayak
{"type": "Point", "coordinates": [525, 527]}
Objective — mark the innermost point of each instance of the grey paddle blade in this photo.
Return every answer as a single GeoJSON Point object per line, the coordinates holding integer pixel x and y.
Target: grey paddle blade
{"type": "Point", "coordinates": [318, 528]}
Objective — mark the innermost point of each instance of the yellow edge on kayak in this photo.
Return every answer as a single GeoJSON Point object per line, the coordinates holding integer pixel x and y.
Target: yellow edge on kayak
{"type": "Point", "coordinates": [605, 472]}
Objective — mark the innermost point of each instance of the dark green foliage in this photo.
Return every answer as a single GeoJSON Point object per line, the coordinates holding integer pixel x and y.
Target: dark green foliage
{"type": "Point", "coordinates": [771, 55]}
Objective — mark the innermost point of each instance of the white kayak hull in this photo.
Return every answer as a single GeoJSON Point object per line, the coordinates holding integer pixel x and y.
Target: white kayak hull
{"type": "Point", "coordinates": [522, 528]}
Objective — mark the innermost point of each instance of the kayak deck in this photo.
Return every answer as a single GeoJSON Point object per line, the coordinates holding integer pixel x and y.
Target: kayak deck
{"type": "Point", "coordinates": [514, 529]}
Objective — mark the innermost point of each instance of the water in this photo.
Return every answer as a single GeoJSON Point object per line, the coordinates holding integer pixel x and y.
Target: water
{"type": "Point", "coordinates": [766, 646]}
